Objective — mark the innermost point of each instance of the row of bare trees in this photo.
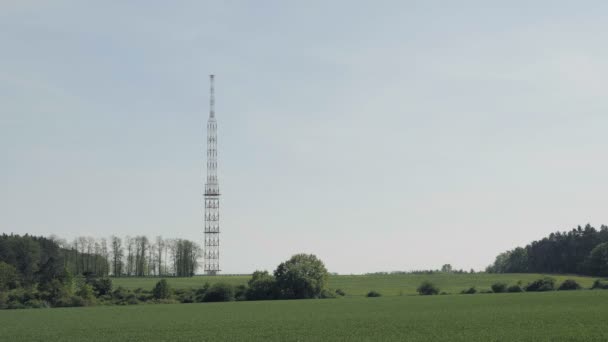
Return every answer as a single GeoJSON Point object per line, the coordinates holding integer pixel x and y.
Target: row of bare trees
{"type": "Point", "coordinates": [131, 256]}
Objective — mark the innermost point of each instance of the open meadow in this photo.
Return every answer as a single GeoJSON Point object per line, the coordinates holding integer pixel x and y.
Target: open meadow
{"type": "Point", "coordinates": [549, 316]}
{"type": "Point", "coordinates": [359, 285]}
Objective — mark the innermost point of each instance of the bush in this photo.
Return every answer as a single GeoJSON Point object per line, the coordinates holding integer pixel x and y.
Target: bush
{"type": "Point", "coordinates": [161, 290]}
{"type": "Point", "coordinates": [600, 284]}
{"type": "Point", "coordinates": [515, 288]}
{"type": "Point", "coordinates": [541, 285]}
{"type": "Point", "coordinates": [569, 284]}
{"type": "Point", "coordinates": [470, 290]}
{"type": "Point", "coordinates": [499, 287]}
{"type": "Point", "coordinates": [199, 294]}
{"type": "Point", "coordinates": [101, 286]}
{"type": "Point", "coordinates": [302, 276]}
{"type": "Point", "coordinates": [340, 292]}
{"type": "Point", "coordinates": [85, 292]}
{"type": "Point", "coordinates": [123, 296]}
{"type": "Point", "coordinates": [220, 292]}
{"type": "Point", "coordinates": [262, 286]}
{"type": "Point", "coordinates": [184, 295]}
{"type": "Point", "coordinates": [373, 294]}
{"type": "Point", "coordinates": [37, 304]}
{"type": "Point", "coordinates": [427, 288]}
{"type": "Point", "coordinates": [325, 294]}
{"type": "Point", "coordinates": [240, 292]}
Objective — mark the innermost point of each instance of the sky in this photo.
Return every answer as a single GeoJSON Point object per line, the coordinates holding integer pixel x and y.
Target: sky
{"type": "Point", "coordinates": [378, 135]}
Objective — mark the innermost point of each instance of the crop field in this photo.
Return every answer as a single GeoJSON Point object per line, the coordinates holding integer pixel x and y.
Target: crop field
{"type": "Point", "coordinates": [549, 316]}
{"type": "Point", "coordinates": [359, 285]}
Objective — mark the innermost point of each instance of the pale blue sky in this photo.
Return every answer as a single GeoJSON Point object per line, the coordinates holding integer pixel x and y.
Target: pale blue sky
{"type": "Point", "coordinates": [378, 135]}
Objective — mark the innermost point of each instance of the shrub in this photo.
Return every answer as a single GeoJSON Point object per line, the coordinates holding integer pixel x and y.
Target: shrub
{"type": "Point", "coordinates": [199, 294]}
{"type": "Point", "coordinates": [302, 276]}
{"type": "Point", "coordinates": [240, 292]}
{"type": "Point", "coordinates": [35, 303]}
{"type": "Point", "coordinates": [541, 285]}
{"type": "Point", "coordinates": [327, 294]}
{"type": "Point", "coordinates": [161, 290]}
{"type": "Point", "coordinates": [262, 286]}
{"type": "Point", "coordinates": [373, 294]}
{"type": "Point", "coordinates": [220, 292]}
{"type": "Point", "coordinates": [470, 290]}
{"type": "Point", "coordinates": [427, 288]}
{"type": "Point", "coordinates": [515, 288]}
{"type": "Point", "coordinates": [499, 287]}
{"type": "Point", "coordinates": [600, 284]}
{"type": "Point", "coordinates": [101, 286]}
{"type": "Point", "coordinates": [340, 292]}
{"type": "Point", "coordinates": [184, 295]}
{"type": "Point", "coordinates": [123, 296]}
{"type": "Point", "coordinates": [85, 292]}
{"type": "Point", "coordinates": [569, 284]}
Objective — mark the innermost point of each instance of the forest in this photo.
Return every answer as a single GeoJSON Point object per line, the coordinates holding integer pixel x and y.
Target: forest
{"type": "Point", "coordinates": [132, 256]}
{"type": "Point", "coordinates": [578, 251]}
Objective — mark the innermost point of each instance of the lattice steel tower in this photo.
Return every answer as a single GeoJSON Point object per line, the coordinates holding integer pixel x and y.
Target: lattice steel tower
{"type": "Point", "coordinates": [212, 194]}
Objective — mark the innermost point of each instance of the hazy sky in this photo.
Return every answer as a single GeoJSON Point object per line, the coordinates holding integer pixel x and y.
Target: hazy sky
{"type": "Point", "coordinates": [378, 135]}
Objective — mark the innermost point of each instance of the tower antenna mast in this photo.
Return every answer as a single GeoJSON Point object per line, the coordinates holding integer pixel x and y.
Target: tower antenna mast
{"type": "Point", "coordinates": [211, 252]}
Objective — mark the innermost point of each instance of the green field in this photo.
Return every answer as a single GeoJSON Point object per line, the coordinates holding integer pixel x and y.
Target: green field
{"type": "Point", "coordinates": [549, 316]}
{"type": "Point", "coordinates": [359, 285]}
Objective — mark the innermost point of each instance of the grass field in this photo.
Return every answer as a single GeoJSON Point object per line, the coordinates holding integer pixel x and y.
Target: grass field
{"type": "Point", "coordinates": [359, 285]}
{"type": "Point", "coordinates": [549, 316]}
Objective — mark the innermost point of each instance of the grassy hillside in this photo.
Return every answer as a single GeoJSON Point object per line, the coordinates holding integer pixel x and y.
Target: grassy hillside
{"type": "Point", "coordinates": [551, 316]}
{"type": "Point", "coordinates": [359, 285]}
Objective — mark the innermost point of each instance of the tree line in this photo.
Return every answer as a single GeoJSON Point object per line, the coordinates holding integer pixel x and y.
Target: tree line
{"type": "Point", "coordinates": [37, 258]}
{"type": "Point", "coordinates": [580, 250]}
{"type": "Point", "coordinates": [131, 256]}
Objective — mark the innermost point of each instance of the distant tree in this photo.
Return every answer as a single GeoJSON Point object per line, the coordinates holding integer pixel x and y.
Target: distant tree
{"type": "Point", "coordinates": [597, 262]}
{"type": "Point", "coordinates": [130, 265]}
{"type": "Point", "coordinates": [262, 286]}
{"type": "Point", "coordinates": [373, 294]}
{"type": "Point", "coordinates": [302, 276]}
{"type": "Point", "coordinates": [9, 278]}
{"type": "Point", "coordinates": [160, 248]}
{"type": "Point", "coordinates": [185, 257]}
{"type": "Point", "coordinates": [161, 290]}
{"type": "Point", "coordinates": [427, 288]}
{"type": "Point", "coordinates": [447, 268]}
{"type": "Point", "coordinates": [117, 256]}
